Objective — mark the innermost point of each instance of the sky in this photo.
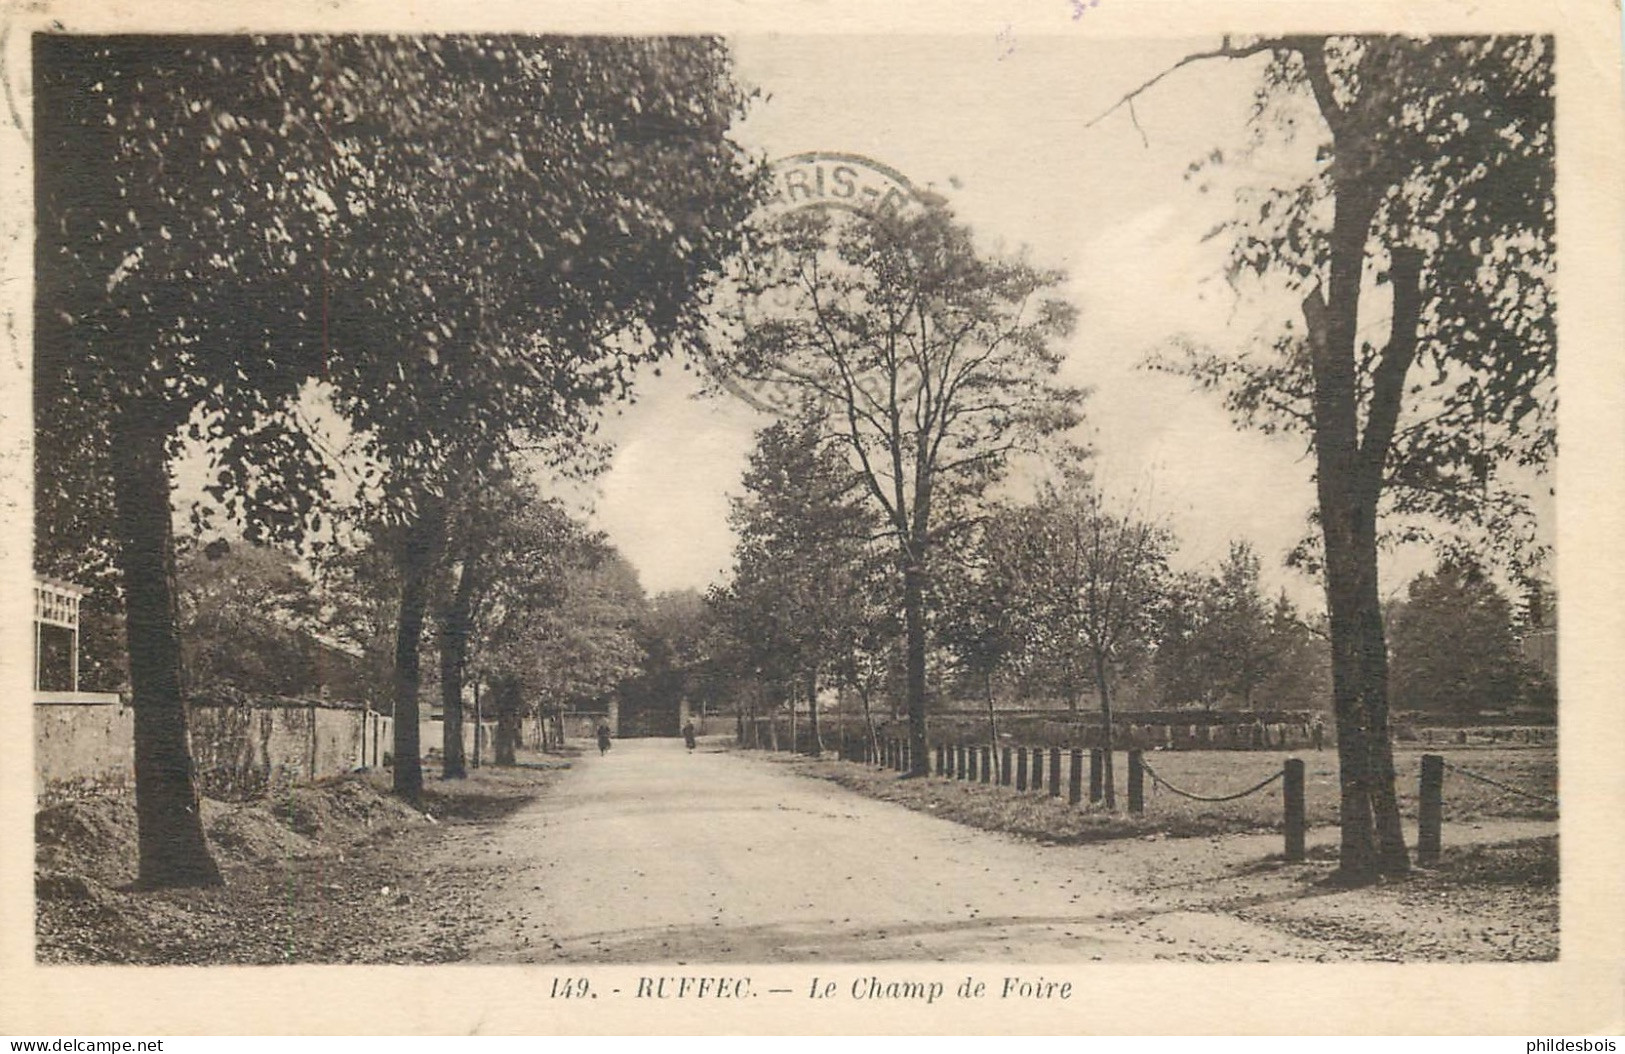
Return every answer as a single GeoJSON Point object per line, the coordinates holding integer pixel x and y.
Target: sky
{"type": "Point", "coordinates": [998, 124]}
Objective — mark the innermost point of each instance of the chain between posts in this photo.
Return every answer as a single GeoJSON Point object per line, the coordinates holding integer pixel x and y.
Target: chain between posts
{"type": "Point", "coordinates": [1255, 788]}
{"type": "Point", "coordinates": [1496, 783]}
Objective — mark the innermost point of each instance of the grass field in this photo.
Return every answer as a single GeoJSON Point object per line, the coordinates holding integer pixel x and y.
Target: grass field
{"type": "Point", "coordinates": [1213, 773]}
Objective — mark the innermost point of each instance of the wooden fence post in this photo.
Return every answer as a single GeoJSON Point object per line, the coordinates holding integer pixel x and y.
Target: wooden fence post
{"type": "Point", "coordinates": [1429, 838]}
{"type": "Point", "coordinates": [941, 757]}
{"type": "Point", "coordinates": [959, 761]}
{"type": "Point", "coordinates": [987, 764]}
{"type": "Point", "coordinates": [1292, 786]}
{"type": "Point", "coordinates": [1136, 781]}
{"type": "Point", "coordinates": [1096, 788]}
{"type": "Point", "coordinates": [1021, 768]}
{"type": "Point", "coordinates": [1074, 785]}
{"type": "Point", "coordinates": [1004, 768]}
{"type": "Point", "coordinates": [1054, 772]}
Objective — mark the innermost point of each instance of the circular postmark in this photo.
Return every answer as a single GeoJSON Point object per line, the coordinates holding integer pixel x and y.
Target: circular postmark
{"type": "Point", "coordinates": [848, 183]}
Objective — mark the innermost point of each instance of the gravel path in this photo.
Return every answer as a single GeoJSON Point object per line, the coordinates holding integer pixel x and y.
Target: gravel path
{"type": "Point", "coordinates": [652, 854]}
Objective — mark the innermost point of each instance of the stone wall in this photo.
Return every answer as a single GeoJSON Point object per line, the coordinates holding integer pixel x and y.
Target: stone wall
{"type": "Point", "coordinates": [241, 750]}
{"type": "Point", "coordinates": [82, 739]}
{"type": "Point", "coordinates": [245, 751]}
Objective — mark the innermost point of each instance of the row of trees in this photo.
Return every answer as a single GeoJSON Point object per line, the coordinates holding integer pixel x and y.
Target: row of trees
{"type": "Point", "coordinates": [934, 367]}
{"type": "Point", "coordinates": [461, 245]}
{"type": "Point", "coordinates": [1059, 598]}
{"type": "Point", "coordinates": [564, 626]}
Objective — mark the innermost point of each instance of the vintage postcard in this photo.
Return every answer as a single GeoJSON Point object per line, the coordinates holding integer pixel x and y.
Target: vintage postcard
{"type": "Point", "coordinates": [1007, 517]}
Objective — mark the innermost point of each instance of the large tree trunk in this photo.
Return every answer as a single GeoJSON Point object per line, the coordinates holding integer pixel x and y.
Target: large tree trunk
{"type": "Point", "coordinates": [914, 623]}
{"type": "Point", "coordinates": [505, 699]}
{"type": "Point", "coordinates": [169, 825]}
{"type": "Point", "coordinates": [1347, 492]}
{"type": "Point", "coordinates": [419, 553]}
{"type": "Point", "coordinates": [1350, 476]}
{"type": "Point", "coordinates": [1373, 838]}
{"type": "Point", "coordinates": [1357, 854]}
{"type": "Point", "coordinates": [454, 620]}
{"type": "Point", "coordinates": [1103, 686]}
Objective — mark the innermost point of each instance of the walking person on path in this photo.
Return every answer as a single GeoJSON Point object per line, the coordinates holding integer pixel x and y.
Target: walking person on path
{"type": "Point", "coordinates": [688, 736]}
{"type": "Point", "coordinates": [603, 738]}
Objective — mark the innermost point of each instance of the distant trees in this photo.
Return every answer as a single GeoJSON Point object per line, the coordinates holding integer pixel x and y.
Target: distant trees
{"type": "Point", "coordinates": [978, 593]}
{"type": "Point", "coordinates": [1217, 639]}
{"type": "Point", "coordinates": [506, 554]}
{"type": "Point", "coordinates": [1302, 673]}
{"type": "Point", "coordinates": [1454, 651]}
{"type": "Point", "coordinates": [552, 620]}
{"type": "Point", "coordinates": [247, 618]}
{"type": "Point", "coordinates": [1089, 588]}
{"type": "Point", "coordinates": [935, 362]}
{"type": "Point", "coordinates": [797, 599]}
{"type": "Point", "coordinates": [674, 634]}
{"type": "Point", "coordinates": [578, 652]}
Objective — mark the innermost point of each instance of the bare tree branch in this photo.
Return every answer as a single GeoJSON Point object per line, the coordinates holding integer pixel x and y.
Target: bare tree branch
{"type": "Point", "coordinates": [1225, 50]}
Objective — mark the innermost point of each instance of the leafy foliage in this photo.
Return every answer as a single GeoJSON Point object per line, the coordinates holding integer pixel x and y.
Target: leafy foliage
{"type": "Point", "coordinates": [803, 532]}
{"type": "Point", "coordinates": [248, 618]}
{"type": "Point", "coordinates": [1453, 647]}
{"type": "Point", "coordinates": [569, 200]}
{"type": "Point", "coordinates": [934, 362]}
{"type": "Point", "coordinates": [1449, 140]}
{"type": "Point", "coordinates": [1088, 588]}
{"type": "Point", "coordinates": [1216, 639]}
{"type": "Point", "coordinates": [578, 651]}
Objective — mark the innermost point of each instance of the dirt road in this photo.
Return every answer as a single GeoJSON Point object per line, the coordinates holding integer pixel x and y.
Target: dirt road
{"type": "Point", "coordinates": [654, 854]}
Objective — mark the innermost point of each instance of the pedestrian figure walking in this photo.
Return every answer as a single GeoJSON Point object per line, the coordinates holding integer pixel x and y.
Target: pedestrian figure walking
{"type": "Point", "coordinates": [603, 739]}
{"type": "Point", "coordinates": [688, 736]}
{"type": "Point", "coordinates": [1317, 733]}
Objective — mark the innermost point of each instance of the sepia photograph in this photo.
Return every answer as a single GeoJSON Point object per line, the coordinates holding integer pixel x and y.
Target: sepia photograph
{"type": "Point", "coordinates": [756, 515]}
